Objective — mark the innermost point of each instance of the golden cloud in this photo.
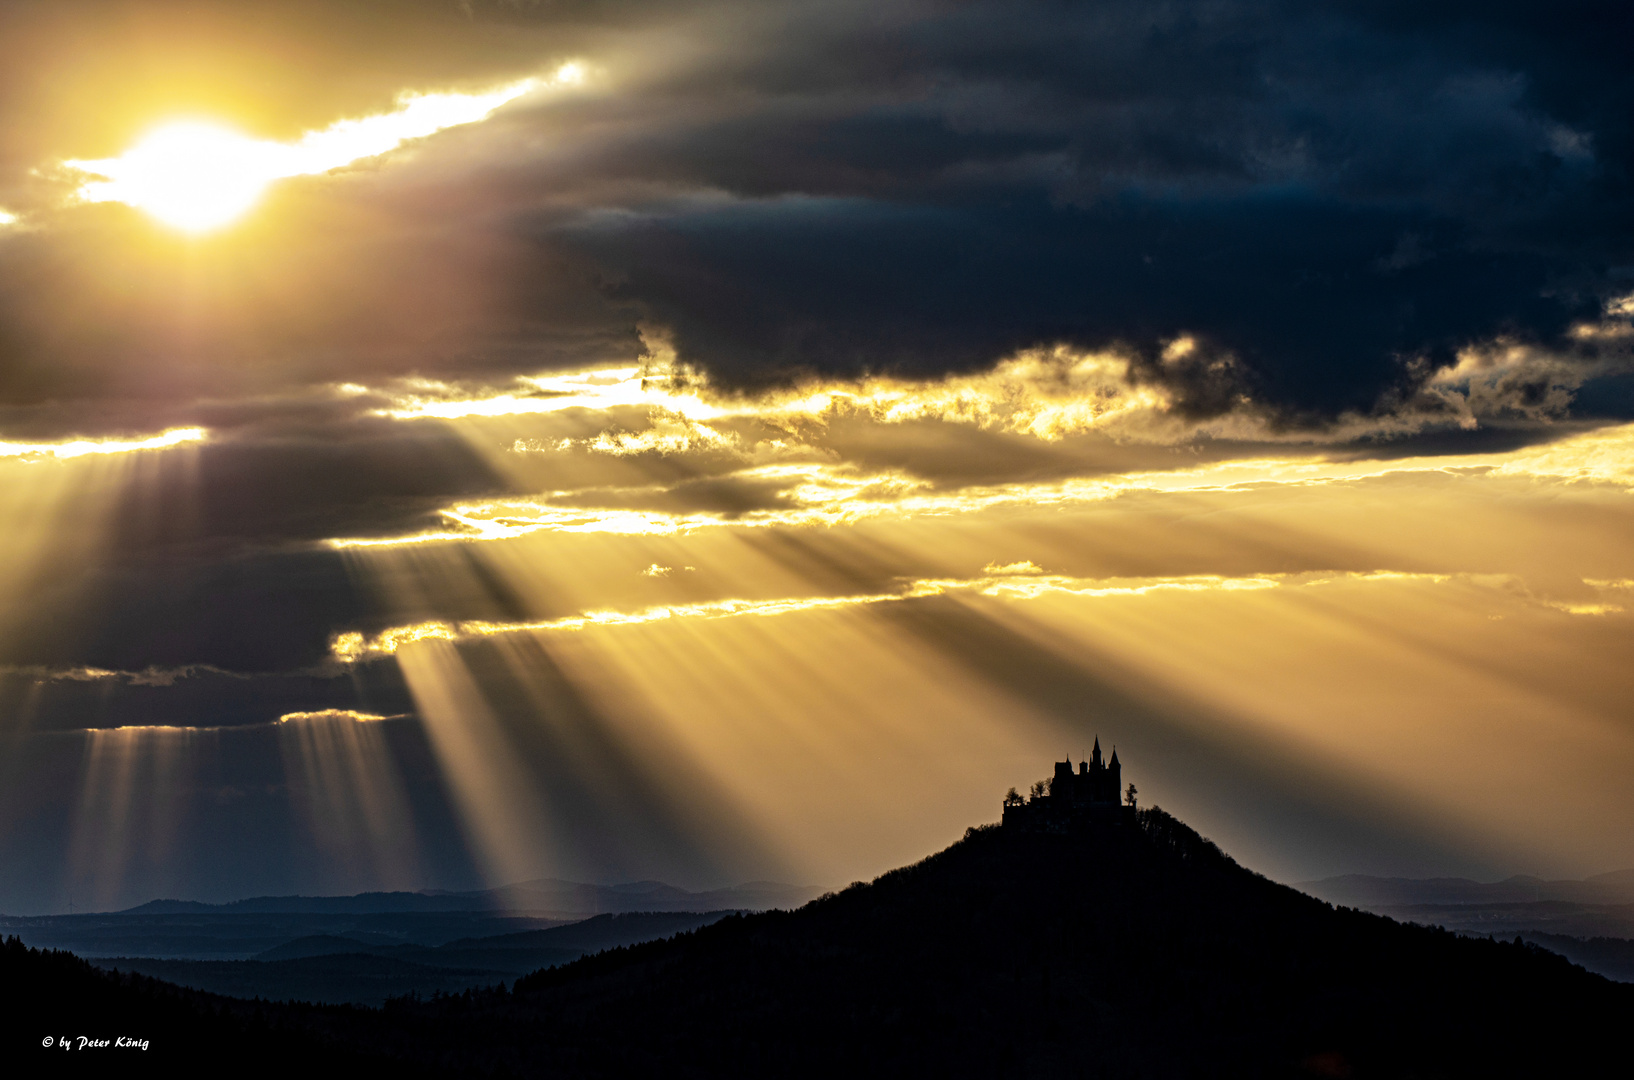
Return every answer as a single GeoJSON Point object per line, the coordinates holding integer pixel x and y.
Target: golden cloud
{"type": "Point", "coordinates": [1019, 581]}
{"type": "Point", "coordinates": [73, 448]}
{"type": "Point", "coordinates": [324, 715]}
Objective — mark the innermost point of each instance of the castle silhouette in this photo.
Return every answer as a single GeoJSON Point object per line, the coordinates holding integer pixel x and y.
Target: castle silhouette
{"type": "Point", "coordinates": [1070, 801]}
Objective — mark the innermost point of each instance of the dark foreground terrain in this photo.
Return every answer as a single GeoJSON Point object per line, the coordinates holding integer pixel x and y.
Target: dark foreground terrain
{"type": "Point", "coordinates": [1129, 952]}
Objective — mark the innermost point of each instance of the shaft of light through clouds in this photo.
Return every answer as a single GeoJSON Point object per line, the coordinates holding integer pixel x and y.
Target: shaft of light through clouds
{"type": "Point", "coordinates": [748, 450]}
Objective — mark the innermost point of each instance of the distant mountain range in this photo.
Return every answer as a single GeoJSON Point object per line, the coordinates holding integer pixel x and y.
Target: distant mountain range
{"type": "Point", "coordinates": [1121, 951]}
{"type": "Point", "coordinates": [335, 969]}
{"type": "Point", "coordinates": [546, 897]}
{"type": "Point", "coordinates": [1360, 890]}
{"type": "Point", "coordinates": [189, 930]}
{"type": "Point", "coordinates": [1590, 921]}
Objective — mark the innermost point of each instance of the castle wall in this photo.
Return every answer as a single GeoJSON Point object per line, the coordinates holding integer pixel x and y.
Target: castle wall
{"type": "Point", "coordinates": [1091, 796]}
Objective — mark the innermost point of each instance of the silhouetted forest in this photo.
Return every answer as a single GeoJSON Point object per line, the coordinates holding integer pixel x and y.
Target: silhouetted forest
{"type": "Point", "coordinates": [1123, 952]}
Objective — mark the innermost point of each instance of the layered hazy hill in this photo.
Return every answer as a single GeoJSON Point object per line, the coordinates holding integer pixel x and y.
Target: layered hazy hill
{"type": "Point", "coordinates": [355, 969]}
{"type": "Point", "coordinates": [1126, 952]}
{"type": "Point", "coordinates": [547, 897]}
{"type": "Point", "coordinates": [245, 929]}
{"type": "Point", "coordinates": [1589, 921]}
{"type": "Point", "coordinates": [366, 948]}
{"type": "Point", "coordinates": [1361, 890]}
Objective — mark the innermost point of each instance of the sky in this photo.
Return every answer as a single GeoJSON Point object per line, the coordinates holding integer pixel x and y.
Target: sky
{"type": "Point", "coordinates": [453, 443]}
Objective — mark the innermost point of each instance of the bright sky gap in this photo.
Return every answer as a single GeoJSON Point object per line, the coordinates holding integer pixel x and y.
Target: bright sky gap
{"type": "Point", "coordinates": [73, 448]}
{"type": "Point", "coordinates": [197, 175]}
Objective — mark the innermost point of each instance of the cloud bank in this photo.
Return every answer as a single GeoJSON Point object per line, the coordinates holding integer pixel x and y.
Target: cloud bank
{"type": "Point", "coordinates": [1335, 205]}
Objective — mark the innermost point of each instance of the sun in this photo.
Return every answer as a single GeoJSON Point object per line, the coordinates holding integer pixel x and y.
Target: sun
{"type": "Point", "coordinates": [199, 175]}
{"type": "Point", "coordinates": [192, 175]}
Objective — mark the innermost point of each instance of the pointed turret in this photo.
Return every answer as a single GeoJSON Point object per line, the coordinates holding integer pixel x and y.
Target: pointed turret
{"type": "Point", "coordinates": [1072, 803]}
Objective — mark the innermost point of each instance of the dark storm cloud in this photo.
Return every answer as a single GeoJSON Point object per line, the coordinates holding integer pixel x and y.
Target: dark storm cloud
{"type": "Point", "coordinates": [1325, 193]}
{"type": "Point", "coordinates": [1332, 199]}
{"type": "Point", "coordinates": [1287, 285]}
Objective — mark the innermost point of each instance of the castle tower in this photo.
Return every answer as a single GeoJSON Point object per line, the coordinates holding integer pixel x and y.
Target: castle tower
{"type": "Point", "coordinates": [1087, 799]}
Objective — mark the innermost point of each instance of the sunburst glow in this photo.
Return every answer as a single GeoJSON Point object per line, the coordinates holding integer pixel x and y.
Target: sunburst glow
{"type": "Point", "coordinates": [197, 175]}
{"type": "Point", "coordinates": [451, 445]}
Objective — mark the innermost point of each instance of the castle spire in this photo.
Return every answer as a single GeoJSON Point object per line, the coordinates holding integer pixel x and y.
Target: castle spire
{"type": "Point", "coordinates": [1095, 757]}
